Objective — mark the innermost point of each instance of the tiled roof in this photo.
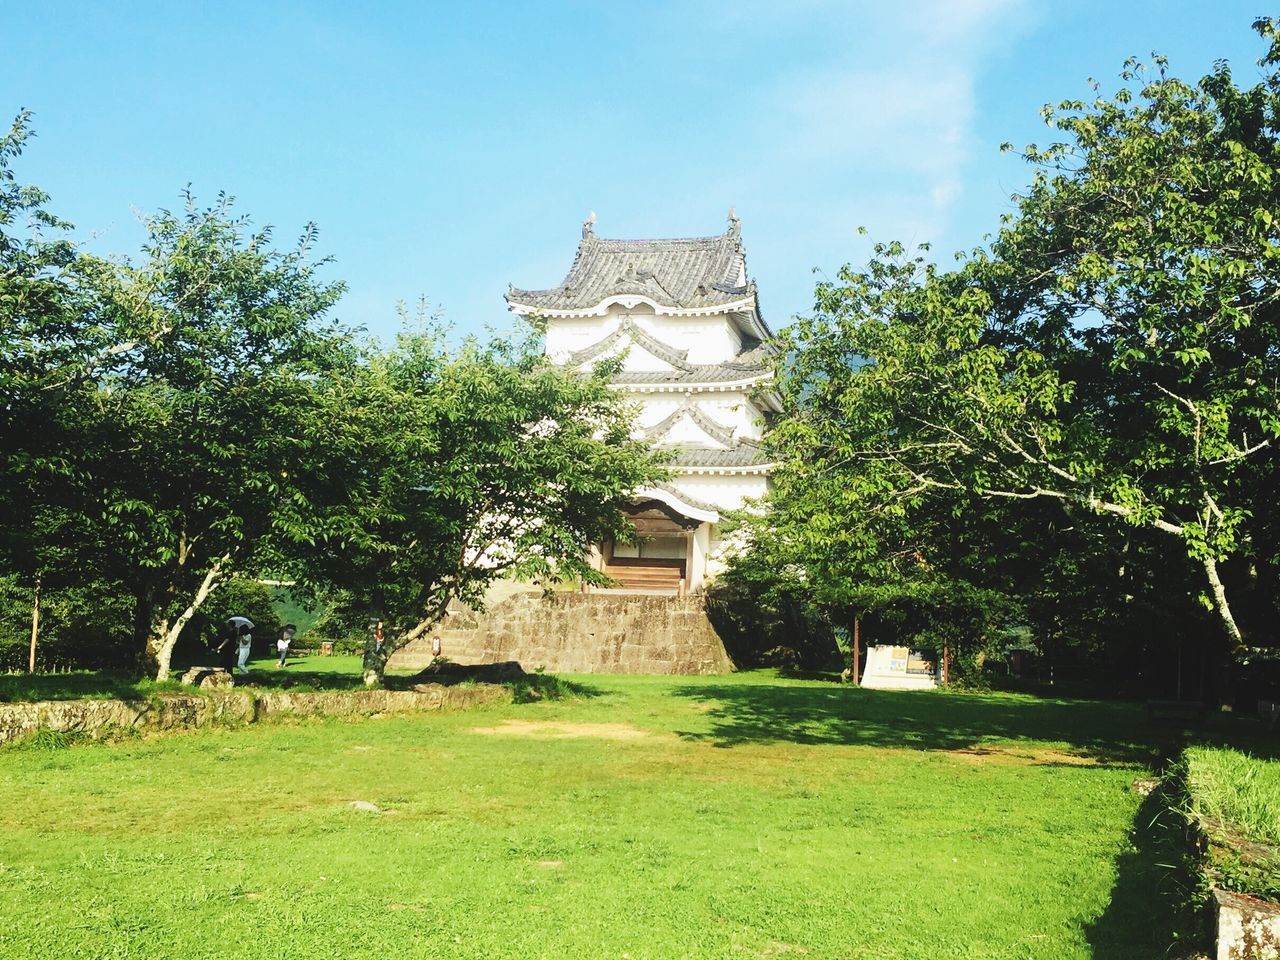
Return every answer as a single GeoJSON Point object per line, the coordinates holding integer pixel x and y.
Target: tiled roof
{"type": "Point", "coordinates": [714, 373]}
{"type": "Point", "coordinates": [686, 273]}
{"type": "Point", "coordinates": [743, 455]}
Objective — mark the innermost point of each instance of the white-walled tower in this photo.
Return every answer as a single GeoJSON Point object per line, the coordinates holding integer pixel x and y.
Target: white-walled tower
{"type": "Point", "coordinates": [698, 363]}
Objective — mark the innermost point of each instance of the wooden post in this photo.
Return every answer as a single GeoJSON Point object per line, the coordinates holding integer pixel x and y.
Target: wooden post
{"type": "Point", "coordinates": [35, 628]}
{"type": "Point", "coordinates": [857, 652]}
{"type": "Point", "coordinates": [946, 663]}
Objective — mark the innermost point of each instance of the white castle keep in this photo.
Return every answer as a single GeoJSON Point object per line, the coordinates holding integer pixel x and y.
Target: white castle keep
{"type": "Point", "coordinates": [698, 363]}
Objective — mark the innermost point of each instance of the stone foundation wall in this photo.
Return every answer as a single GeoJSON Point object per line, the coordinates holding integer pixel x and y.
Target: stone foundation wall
{"type": "Point", "coordinates": [580, 633]}
{"type": "Point", "coordinates": [97, 718]}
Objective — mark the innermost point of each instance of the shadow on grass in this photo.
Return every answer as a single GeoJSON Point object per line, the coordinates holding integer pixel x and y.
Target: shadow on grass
{"type": "Point", "coordinates": [101, 685]}
{"type": "Point", "coordinates": [1154, 908]}
{"type": "Point", "coordinates": [1108, 732]}
{"type": "Point", "coordinates": [80, 684]}
{"type": "Point", "coordinates": [545, 686]}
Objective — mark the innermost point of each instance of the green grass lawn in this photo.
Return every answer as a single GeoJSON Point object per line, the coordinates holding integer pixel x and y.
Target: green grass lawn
{"type": "Point", "coordinates": [741, 816]}
{"type": "Point", "coordinates": [1233, 797]}
{"type": "Point", "coordinates": [1237, 790]}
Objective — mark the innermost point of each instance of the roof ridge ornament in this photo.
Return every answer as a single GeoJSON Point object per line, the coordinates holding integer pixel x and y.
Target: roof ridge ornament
{"type": "Point", "coordinates": [588, 225]}
{"type": "Point", "coordinates": [735, 225]}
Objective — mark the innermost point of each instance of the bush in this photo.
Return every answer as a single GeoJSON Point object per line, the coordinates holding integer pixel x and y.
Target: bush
{"type": "Point", "coordinates": [79, 628]}
{"type": "Point", "coordinates": [341, 625]}
{"type": "Point", "coordinates": [785, 632]}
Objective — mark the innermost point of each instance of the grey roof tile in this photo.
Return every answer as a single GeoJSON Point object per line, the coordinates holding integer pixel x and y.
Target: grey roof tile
{"type": "Point", "coordinates": [683, 273]}
{"type": "Point", "coordinates": [714, 373]}
{"type": "Point", "coordinates": [743, 455]}
{"type": "Point", "coordinates": [691, 501]}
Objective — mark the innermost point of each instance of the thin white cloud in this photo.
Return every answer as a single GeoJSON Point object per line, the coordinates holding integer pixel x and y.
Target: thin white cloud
{"type": "Point", "coordinates": [896, 125]}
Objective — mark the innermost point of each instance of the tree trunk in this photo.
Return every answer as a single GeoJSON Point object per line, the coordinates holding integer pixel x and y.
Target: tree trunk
{"type": "Point", "coordinates": [378, 651]}
{"type": "Point", "coordinates": [374, 667]}
{"type": "Point", "coordinates": [143, 617]}
{"type": "Point", "coordinates": [35, 628]}
{"type": "Point", "coordinates": [1223, 608]}
{"type": "Point", "coordinates": [855, 666]}
{"type": "Point", "coordinates": [164, 637]}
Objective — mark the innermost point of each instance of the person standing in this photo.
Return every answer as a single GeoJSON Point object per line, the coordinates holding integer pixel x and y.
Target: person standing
{"type": "Point", "coordinates": [242, 630]}
{"type": "Point", "coordinates": [226, 648]}
{"type": "Point", "coordinates": [283, 639]}
{"type": "Point", "coordinates": [244, 647]}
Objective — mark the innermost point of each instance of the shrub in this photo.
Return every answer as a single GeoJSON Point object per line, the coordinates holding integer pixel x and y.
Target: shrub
{"type": "Point", "coordinates": [79, 628]}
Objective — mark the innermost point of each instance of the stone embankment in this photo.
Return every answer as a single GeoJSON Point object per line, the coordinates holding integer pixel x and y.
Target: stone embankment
{"type": "Point", "coordinates": [102, 718]}
{"type": "Point", "coordinates": [579, 633]}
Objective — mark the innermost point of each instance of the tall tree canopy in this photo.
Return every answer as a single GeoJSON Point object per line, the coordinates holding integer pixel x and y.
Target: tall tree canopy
{"type": "Point", "coordinates": [226, 343]}
{"type": "Point", "coordinates": [1114, 356]}
{"type": "Point", "coordinates": [51, 336]}
{"type": "Point", "coordinates": [144, 405]}
{"type": "Point", "coordinates": [461, 467]}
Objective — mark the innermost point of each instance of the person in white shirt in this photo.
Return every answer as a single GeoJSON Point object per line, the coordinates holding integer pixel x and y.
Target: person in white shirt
{"type": "Point", "coordinates": [283, 640]}
{"type": "Point", "coordinates": [236, 643]}
{"type": "Point", "coordinates": [244, 641]}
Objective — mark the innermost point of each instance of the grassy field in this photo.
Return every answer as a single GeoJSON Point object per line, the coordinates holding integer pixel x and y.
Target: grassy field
{"type": "Point", "coordinates": [1237, 790]}
{"type": "Point", "coordinates": [1233, 797]}
{"type": "Point", "coordinates": [742, 816]}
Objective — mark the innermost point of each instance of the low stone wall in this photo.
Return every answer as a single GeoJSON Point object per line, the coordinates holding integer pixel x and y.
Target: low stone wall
{"type": "Point", "coordinates": [97, 718]}
{"type": "Point", "coordinates": [1247, 928]}
{"type": "Point", "coordinates": [580, 633]}
{"type": "Point", "coordinates": [424, 697]}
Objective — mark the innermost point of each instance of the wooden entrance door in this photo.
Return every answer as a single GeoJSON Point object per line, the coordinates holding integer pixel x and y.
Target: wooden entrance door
{"type": "Point", "coordinates": [659, 559]}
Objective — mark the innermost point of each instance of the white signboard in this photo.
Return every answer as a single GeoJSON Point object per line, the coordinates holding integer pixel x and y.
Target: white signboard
{"type": "Point", "coordinates": [899, 668]}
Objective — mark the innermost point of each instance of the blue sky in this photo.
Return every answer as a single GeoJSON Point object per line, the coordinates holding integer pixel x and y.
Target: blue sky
{"type": "Point", "coordinates": [447, 150]}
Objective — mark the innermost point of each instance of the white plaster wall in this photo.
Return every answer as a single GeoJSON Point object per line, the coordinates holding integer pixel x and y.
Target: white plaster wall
{"type": "Point", "coordinates": [701, 548]}
{"type": "Point", "coordinates": [565, 335]}
{"type": "Point", "coordinates": [725, 492]}
{"type": "Point", "coordinates": [715, 554]}
{"type": "Point", "coordinates": [655, 407]}
{"type": "Point", "coordinates": [734, 409]}
{"type": "Point", "coordinates": [638, 358]}
{"type": "Point", "coordinates": [709, 339]}
{"type": "Point", "coordinates": [731, 409]}
{"type": "Point", "coordinates": [685, 431]}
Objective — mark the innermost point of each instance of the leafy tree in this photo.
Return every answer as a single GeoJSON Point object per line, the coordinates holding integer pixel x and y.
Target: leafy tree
{"type": "Point", "coordinates": [83, 624]}
{"type": "Point", "coordinates": [225, 345]}
{"type": "Point", "coordinates": [1111, 357]}
{"type": "Point", "coordinates": [143, 407]}
{"type": "Point", "coordinates": [237, 596]}
{"type": "Point", "coordinates": [49, 335]}
{"type": "Point", "coordinates": [459, 468]}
